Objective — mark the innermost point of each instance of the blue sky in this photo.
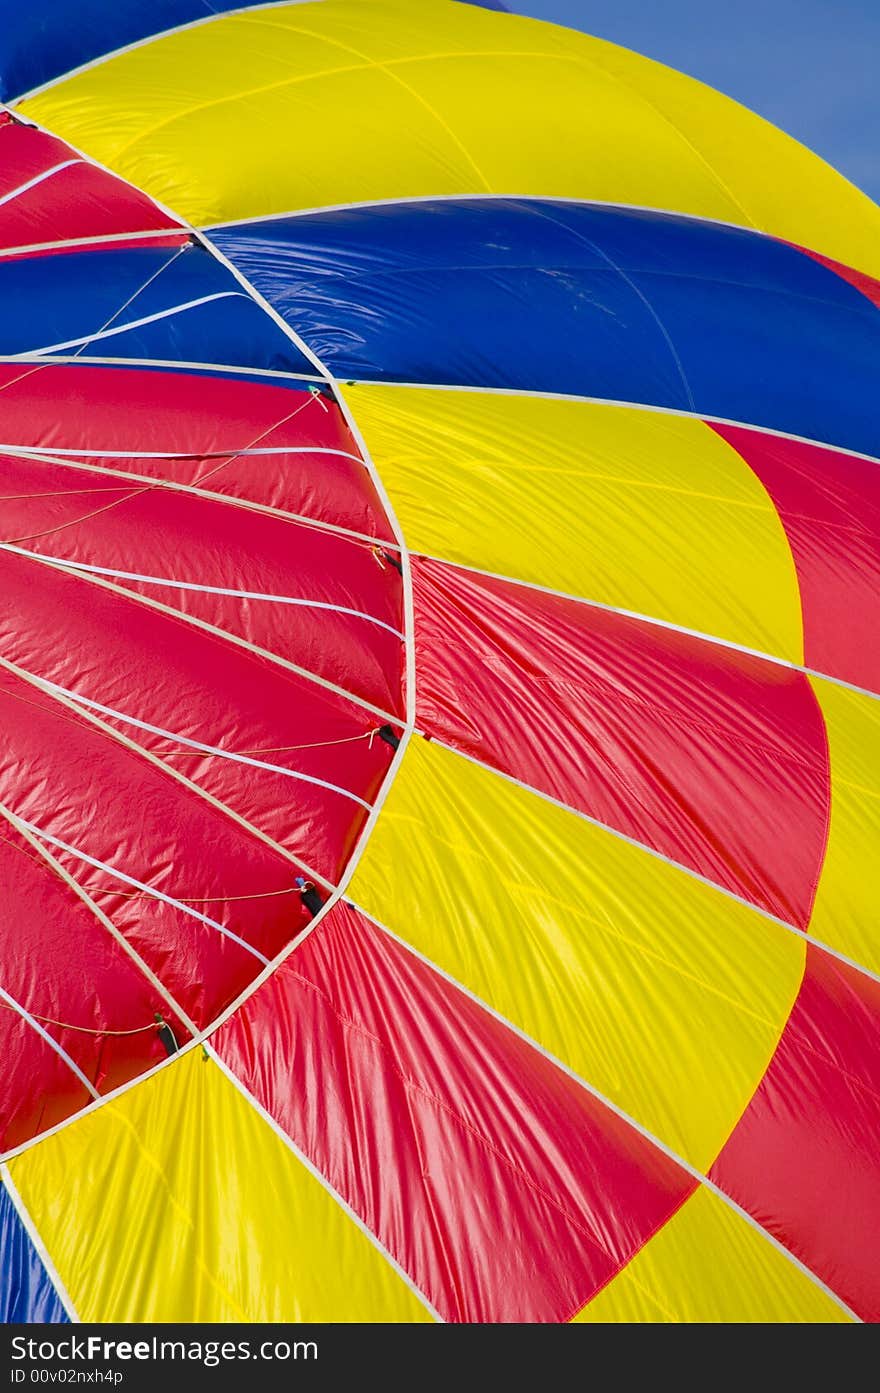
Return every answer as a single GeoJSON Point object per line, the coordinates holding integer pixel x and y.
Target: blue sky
{"type": "Point", "coordinates": [810, 66]}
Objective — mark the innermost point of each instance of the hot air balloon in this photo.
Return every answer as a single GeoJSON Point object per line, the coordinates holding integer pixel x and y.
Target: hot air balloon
{"type": "Point", "coordinates": [439, 734]}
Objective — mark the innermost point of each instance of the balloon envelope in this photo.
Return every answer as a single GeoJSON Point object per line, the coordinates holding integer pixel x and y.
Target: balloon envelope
{"type": "Point", "coordinates": [439, 746]}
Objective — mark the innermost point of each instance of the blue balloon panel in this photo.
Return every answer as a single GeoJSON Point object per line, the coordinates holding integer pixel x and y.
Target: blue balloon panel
{"type": "Point", "coordinates": [178, 306]}
{"type": "Point", "coordinates": [26, 1293]}
{"type": "Point", "coordinates": [535, 295]}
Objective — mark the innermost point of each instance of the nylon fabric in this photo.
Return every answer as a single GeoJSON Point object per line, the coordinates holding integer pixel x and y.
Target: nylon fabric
{"type": "Point", "coordinates": [26, 1292]}
{"type": "Point", "coordinates": [205, 432]}
{"type": "Point", "coordinates": [569, 932]}
{"type": "Point", "coordinates": [348, 611]}
{"type": "Point", "coordinates": [39, 45]}
{"type": "Point", "coordinates": [205, 693]}
{"type": "Point", "coordinates": [712, 757]}
{"type": "Point", "coordinates": [262, 1240]}
{"type": "Point", "coordinates": [62, 303]}
{"type": "Point", "coordinates": [843, 914]}
{"type": "Point", "coordinates": [623, 305]}
{"type": "Point", "coordinates": [448, 99]}
{"type": "Point", "coordinates": [67, 197]}
{"type": "Point", "coordinates": [504, 1189]}
{"type": "Point", "coordinates": [810, 1134]}
{"type": "Point", "coordinates": [213, 872]}
{"type": "Point", "coordinates": [707, 1265]}
{"type": "Point", "coordinates": [829, 504]}
{"type": "Point", "coordinates": [675, 525]}
{"type": "Point", "coordinates": [477, 524]}
{"type": "Point", "coordinates": [97, 989]}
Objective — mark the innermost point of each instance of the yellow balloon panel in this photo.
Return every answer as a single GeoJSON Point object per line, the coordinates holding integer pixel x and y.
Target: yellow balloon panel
{"type": "Point", "coordinates": [664, 994]}
{"type": "Point", "coordinates": [707, 1264]}
{"type": "Point", "coordinates": [347, 101]}
{"type": "Point", "coordinates": [179, 1203]}
{"type": "Point", "coordinates": [671, 522]}
{"type": "Point", "coordinates": [845, 910]}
